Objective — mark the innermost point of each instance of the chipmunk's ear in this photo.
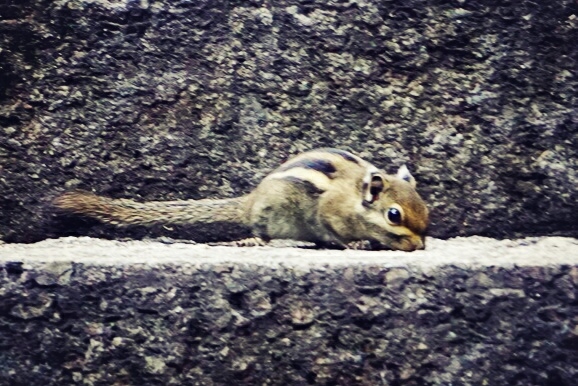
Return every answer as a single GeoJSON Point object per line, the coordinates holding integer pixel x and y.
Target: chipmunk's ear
{"type": "Point", "coordinates": [404, 174]}
{"type": "Point", "coordinates": [373, 186]}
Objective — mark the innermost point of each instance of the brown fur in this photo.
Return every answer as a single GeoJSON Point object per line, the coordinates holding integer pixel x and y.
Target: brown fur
{"type": "Point", "coordinates": [123, 212]}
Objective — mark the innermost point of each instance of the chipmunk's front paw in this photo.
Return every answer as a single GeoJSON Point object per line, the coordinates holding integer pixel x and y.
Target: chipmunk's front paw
{"type": "Point", "coordinates": [366, 245]}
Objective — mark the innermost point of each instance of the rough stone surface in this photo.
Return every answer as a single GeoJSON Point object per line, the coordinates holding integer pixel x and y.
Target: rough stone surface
{"type": "Point", "coordinates": [192, 99]}
{"type": "Point", "coordinates": [468, 311]}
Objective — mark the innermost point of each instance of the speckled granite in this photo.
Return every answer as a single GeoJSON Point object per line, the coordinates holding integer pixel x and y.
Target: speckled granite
{"type": "Point", "coordinates": [193, 99]}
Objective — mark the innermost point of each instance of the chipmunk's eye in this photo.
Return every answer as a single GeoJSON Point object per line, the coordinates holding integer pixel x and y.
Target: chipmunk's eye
{"type": "Point", "coordinates": [394, 216]}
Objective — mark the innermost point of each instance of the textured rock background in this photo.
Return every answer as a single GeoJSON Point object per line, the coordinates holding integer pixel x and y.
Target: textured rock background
{"type": "Point", "coordinates": [469, 311]}
{"type": "Point", "coordinates": [192, 99]}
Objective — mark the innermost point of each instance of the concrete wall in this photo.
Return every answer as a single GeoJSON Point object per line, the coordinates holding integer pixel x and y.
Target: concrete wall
{"type": "Point", "coordinates": [464, 312]}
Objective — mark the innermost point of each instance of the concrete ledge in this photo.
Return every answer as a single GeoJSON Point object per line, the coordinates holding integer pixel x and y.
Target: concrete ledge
{"type": "Point", "coordinates": [472, 311]}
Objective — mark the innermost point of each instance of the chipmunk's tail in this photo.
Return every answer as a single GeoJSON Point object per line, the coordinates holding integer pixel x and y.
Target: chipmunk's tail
{"type": "Point", "coordinates": [123, 212]}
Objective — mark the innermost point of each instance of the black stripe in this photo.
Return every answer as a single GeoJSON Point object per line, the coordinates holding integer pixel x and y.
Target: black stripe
{"type": "Point", "coordinates": [308, 186]}
{"type": "Point", "coordinates": [320, 165]}
{"type": "Point", "coordinates": [348, 156]}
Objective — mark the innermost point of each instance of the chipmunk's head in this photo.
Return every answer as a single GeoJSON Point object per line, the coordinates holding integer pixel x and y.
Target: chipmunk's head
{"type": "Point", "coordinates": [393, 212]}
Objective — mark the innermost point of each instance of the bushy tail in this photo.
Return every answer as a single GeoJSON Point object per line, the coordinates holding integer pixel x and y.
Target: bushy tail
{"type": "Point", "coordinates": [123, 212]}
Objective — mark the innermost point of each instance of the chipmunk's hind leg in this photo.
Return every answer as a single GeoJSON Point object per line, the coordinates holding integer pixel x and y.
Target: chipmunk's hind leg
{"type": "Point", "coordinates": [283, 209]}
{"type": "Point", "coordinates": [251, 242]}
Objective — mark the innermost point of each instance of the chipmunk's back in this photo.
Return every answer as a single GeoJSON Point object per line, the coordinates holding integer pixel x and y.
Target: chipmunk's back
{"type": "Point", "coordinates": [331, 196]}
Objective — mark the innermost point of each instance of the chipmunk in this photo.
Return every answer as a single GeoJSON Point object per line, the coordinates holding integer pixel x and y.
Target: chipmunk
{"type": "Point", "coordinates": [327, 196]}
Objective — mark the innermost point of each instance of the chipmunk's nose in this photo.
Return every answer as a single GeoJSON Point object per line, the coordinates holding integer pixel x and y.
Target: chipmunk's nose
{"type": "Point", "coordinates": [417, 243]}
{"type": "Point", "coordinates": [421, 243]}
